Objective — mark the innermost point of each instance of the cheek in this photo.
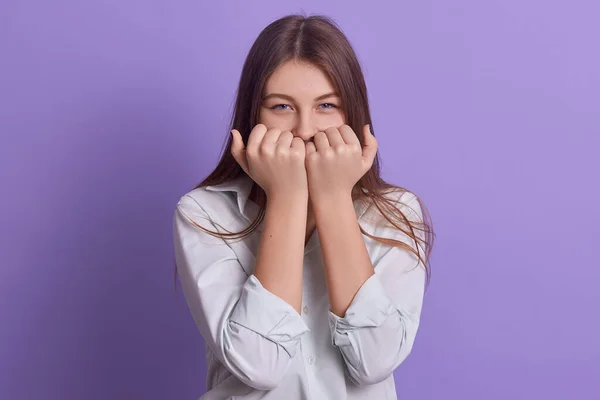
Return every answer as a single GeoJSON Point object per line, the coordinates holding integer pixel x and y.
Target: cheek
{"type": "Point", "coordinates": [266, 114]}
{"type": "Point", "coordinates": [335, 119]}
{"type": "Point", "coordinates": [272, 120]}
{"type": "Point", "coordinates": [262, 117]}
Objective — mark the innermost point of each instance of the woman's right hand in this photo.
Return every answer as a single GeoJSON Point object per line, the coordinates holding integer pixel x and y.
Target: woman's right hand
{"type": "Point", "coordinates": [273, 159]}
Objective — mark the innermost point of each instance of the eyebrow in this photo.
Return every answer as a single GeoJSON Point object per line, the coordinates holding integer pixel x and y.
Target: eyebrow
{"type": "Point", "coordinates": [290, 98]}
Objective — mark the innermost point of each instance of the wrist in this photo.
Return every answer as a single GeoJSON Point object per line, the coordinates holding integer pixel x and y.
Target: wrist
{"type": "Point", "coordinates": [288, 197]}
{"type": "Point", "coordinates": [329, 200]}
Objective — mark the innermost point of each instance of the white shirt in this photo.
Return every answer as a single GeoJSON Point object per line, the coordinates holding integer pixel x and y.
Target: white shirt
{"type": "Point", "coordinates": [257, 345]}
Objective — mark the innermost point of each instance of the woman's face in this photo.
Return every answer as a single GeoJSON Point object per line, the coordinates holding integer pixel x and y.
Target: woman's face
{"type": "Point", "coordinates": [299, 97]}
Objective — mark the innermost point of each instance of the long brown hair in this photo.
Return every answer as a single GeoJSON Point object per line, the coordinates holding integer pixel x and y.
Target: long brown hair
{"type": "Point", "coordinates": [320, 41]}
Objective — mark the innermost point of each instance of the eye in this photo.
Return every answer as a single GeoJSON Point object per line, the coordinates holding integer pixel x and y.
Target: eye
{"type": "Point", "coordinates": [326, 106]}
{"type": "Point", "coordinates": [276, 106]}
{"type": "Point", "coordinates": [329, 104]}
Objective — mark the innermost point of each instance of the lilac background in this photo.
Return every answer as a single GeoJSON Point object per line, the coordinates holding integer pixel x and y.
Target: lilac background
{"type": "Point", "coordinates": [111, 110]}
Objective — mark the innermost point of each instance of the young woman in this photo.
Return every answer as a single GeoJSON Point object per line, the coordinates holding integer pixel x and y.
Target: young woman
{"type": "Point", "coordinates": [303, 270]}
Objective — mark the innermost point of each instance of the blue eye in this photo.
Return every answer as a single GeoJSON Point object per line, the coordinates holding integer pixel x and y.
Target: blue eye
{"type": "Point", "coordinates": [329, 104]}
{"type": "Point", "coordinates": [276, 107]}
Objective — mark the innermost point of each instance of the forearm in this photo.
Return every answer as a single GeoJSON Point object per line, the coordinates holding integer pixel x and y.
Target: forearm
{"type": "Point", "coordinates": [281, 250]}
{"type": "Point", "coordinates": [347, 262]}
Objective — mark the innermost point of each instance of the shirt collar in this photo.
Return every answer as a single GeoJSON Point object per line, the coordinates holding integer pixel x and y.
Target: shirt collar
{"type": "Point", "coordinates": [241, 186]}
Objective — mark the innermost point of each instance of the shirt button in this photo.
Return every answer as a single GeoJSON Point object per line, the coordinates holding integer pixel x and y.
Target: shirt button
{"type": "Point", "coordinates": [305, 309]}
{"type": "Point", "coordinates": [311, 360]}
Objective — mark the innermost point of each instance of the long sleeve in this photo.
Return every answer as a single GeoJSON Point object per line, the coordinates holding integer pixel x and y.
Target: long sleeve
{"type": "Point", "coordinates": [378, 330]}
{"type": "Point", "coordinates": [251, 331]}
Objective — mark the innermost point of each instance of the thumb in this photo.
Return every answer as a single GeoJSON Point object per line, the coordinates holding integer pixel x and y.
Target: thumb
{"type": "Point", "coordinates": [238, 151]}
{"type": "Point", "coordinates": [369, 148]}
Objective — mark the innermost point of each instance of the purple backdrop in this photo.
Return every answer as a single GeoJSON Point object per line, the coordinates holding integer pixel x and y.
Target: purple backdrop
{"type": "Point", "coordinates": [111, 110]}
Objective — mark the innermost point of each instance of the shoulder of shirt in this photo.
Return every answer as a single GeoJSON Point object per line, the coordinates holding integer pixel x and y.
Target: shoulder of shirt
{"type": "Point", "coordinates": [219, 206]}
{"type": "Point", "coordinates": [401, 197]}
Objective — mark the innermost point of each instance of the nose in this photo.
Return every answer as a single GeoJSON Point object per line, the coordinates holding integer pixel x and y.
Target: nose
{"type": "Point", "coordinates": [305, 128]}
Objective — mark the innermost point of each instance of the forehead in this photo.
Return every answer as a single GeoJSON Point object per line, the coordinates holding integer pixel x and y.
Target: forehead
{"type": "Point", "coordinates": [299, 78]}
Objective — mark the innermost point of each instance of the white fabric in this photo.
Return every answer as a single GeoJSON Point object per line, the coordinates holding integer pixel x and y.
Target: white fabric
{"type": "Point", "coordinates": [257, 345]}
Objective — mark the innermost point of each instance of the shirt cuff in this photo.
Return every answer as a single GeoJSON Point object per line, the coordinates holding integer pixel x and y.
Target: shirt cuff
{"type": "Point", "coordinates": [370, 307]}
{"type": "Point", "coordinates": [269, 316]}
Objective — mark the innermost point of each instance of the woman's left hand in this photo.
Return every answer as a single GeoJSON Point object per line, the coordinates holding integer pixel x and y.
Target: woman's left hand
{"type": "Point", "coordinates": [336, 161]}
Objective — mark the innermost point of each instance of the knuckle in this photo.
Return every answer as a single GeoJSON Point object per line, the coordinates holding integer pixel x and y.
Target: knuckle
{"type": "Point", "coordinates": [266, 151]}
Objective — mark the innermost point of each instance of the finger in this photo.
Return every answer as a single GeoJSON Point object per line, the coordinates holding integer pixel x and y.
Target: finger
{"type": "Point", "coordinates": [310, 148]}
{"type": "Point", "coordinates": [321, 142]}
{"type": "Point", "coordinates": [348, 135]}
{"type": "Point", "coordinates": [369, 148]}
{"type": "Point", "coordinates": [271, 137]}
{"type": "Point", "coordinates": [334, 137]}
{"type": "Point", "coordinates": [256, 137]}
{"type": "Point", "coordinates": [298, 144]}
{"type": "Point", "coordinates": [238, 151]}
{"type": "Point", "coordinates": [285, 139]}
